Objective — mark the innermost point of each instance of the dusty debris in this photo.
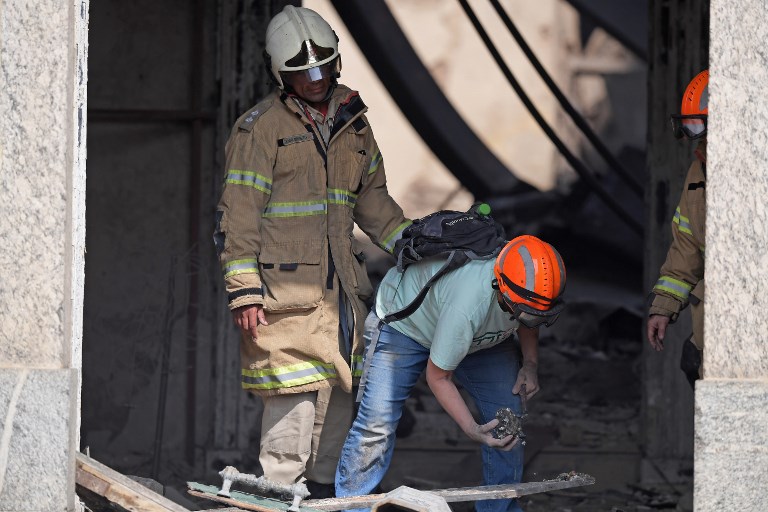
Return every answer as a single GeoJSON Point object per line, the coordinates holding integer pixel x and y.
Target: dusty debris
{"type": "Point", "coordinates": [509, 424]}
{"type": "Point", "coordinates": [567, 477]}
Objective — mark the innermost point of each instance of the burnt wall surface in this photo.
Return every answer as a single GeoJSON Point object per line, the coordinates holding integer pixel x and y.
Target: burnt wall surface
{"type": "Point", "coordinates": [167, 79]}
{"type": "Point", "coordinates": [678, 50]}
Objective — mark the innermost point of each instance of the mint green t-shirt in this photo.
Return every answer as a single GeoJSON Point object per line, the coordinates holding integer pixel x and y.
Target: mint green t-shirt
{"type": "Point", "coordinates": [459, 315]}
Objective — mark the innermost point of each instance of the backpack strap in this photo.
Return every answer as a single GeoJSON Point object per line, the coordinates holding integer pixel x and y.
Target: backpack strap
{"type": "Point", "coordinates": [455, 260]}
{"type": "Point", "coordinates": [368, 358]}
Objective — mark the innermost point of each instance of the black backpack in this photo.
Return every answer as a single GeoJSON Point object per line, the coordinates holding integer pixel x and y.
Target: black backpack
{"type": "Point", "coordinates": [456, 236]}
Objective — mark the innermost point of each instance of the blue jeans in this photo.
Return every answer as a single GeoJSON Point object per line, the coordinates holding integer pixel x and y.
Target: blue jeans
{"type": "Point", "coordinates": [487, 375]}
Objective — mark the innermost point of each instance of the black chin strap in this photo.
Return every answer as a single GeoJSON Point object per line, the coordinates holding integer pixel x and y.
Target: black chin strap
{"type": "Point", "coordinates": [527, 294]}
{"type": "Point", "coordinates": [331, 88]}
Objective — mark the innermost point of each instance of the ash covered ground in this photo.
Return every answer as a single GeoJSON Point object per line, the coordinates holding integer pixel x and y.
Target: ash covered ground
{"type": "Point", "coordinates": [586, 418]}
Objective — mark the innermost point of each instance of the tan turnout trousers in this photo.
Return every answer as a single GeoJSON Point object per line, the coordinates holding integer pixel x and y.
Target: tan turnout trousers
{"type": "Point", "coordinates": [302, 434]}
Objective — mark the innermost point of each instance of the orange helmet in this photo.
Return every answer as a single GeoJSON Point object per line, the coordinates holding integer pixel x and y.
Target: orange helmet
{"type": "Point", "coordinates": [530, 277]}
{"type": "Point", "coordinates": [692, 120]}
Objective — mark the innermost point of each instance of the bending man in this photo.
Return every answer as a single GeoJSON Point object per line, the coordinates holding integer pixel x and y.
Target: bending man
{"type": "Point", "coordinates": [464, 329]}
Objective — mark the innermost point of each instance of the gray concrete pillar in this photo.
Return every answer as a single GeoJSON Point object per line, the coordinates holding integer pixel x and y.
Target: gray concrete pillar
{"type": "Point", "coordinates": [731, 417]}
{"type": "Point", "coordinates": [43, 71]}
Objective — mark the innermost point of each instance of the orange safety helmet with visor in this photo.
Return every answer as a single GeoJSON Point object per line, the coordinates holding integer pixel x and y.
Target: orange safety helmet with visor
{"type": "Point", "coordinates": [530, 277]}
{"type": "Point", "coordinates": [691, 122]}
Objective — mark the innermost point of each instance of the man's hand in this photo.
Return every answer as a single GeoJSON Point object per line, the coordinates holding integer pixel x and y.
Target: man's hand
{"type": "Point", "coordinates": [657, 328]}
{"type": "Point", "coordinates": [529, 376]}
{"type": "Point", "coordinates": [481, 434]}
{"type": "Point", "coordinates": [248, 318]}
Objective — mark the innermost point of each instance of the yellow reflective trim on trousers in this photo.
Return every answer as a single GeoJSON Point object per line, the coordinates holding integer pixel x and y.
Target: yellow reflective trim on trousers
{"type": "Point", "coordinates": [673, 286]}
{"type": "Point", "coordinates": [388, 244]}
{"type": "Point", "coordinates": [242, 266]}
{"type": "Point", "coordinates": [288, 376]}
{"type": "Point", "coordinates": [250, 179]}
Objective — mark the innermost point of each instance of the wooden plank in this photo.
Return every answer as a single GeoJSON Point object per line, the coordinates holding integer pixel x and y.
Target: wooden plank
{"type": "Point", "coordinates": [242, 500]}
{"type": "Point", "coordinates": [219, 509]}
{"type": "Point", "coordinates": [119, 489]}
{"type": "Point", "coordinates": [488, 492]}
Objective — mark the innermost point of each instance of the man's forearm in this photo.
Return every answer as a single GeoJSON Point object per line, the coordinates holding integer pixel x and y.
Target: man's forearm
{"type": "Point", "coordinates": [446, 393]}
{"type": "Point", "coordinates": [529, 345]}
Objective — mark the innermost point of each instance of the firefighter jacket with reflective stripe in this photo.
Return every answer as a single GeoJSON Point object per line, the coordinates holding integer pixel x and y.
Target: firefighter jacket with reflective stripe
{"type": "Point", "coordinates": [284, 237]}
{"type": "Point", "coordinates": [682, 275]}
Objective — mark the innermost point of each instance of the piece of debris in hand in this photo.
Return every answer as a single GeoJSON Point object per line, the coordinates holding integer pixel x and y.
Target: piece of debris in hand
{"type": "Point", "coordinates": [509, 424]}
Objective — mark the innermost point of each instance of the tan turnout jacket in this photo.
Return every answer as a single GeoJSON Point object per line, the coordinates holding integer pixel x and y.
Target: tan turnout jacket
{"type": "Point", "coordinates": [284, 236]}
{"type": "Point", "coordinates": [682, 275]}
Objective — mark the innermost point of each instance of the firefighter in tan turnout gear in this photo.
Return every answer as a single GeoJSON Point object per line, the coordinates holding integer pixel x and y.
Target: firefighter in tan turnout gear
{"type": "Point", "coordinates": [302, 167]}
{"type": "Point", "coordinates": [682, 276]}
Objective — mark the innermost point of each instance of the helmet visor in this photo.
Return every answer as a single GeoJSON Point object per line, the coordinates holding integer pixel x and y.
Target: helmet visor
{"type": "Point", "coordinates": [315, 74]}
{"type": "Point", "coordinates": [533, 318]}
{"type": "Point", "coordinates": [310, 53]}
{"type": "Point", "coordinates": [692, 126]}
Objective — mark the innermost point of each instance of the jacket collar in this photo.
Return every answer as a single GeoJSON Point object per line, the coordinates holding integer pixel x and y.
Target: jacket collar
{"type": "Point", "coordinates": [701, 151]}
{"type": "Point", "coordinates": [341, 96]}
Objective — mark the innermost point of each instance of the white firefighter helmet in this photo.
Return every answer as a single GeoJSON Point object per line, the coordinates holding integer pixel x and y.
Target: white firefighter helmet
{"type": "Point", "coordinates": [299, 39]}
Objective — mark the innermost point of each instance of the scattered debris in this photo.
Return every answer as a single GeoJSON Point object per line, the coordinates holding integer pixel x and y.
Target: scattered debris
{"type": "Point", "coordinates": [566, 477]}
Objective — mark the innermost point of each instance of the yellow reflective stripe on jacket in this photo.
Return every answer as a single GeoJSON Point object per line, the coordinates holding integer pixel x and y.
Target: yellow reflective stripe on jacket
{"type": "Point", "coordinates": [675, 287]}
{"type": "Point", "coordinates": [341, 196]}
{"type": "Point", "coordinates": [357, 366]}
{"type": "Point", "coordinates": [244, 266]}
{"type": "Point", "coordinates": [296, 209]}
{"type": "Point", "coordinates": [288, 376]}
{"type": "Point", "coordinates": [388, 244]}
{"type": "Point", "coordinates": [683, 222]}
{"type": "Point", "coordinates": [305, 208]}
{"type": "Point", "coordinates": [250, 179]}
{"type": "Point", "coordinates": [375, 162]}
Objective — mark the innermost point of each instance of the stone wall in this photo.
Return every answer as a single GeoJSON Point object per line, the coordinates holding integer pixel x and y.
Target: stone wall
{"type": "Point", "coordinates": [43, 63]}
{"type": "Point", "coordinates": [731, 461]}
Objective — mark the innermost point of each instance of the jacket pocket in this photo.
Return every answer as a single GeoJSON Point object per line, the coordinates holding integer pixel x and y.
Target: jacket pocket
{"type": "Point", "coordinates": [357, 169]}
{"type": "Point", "coordinates": [292, 276]}
{"type": "Point", "coordinates": [363, 286]}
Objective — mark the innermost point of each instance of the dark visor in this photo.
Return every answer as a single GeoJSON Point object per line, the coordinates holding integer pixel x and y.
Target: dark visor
{"type": "Point", "coordinates": [533, 318]}
{"type": "Point", "coordinates": [693, 126]}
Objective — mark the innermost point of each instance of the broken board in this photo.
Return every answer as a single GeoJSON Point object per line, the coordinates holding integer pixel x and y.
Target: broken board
{"type": "Point", "coordinates": [118, 488]}
{"type": "Point", "coordinates": [486, 492]}
{"type": "Point", "coordinates": [242, 500]}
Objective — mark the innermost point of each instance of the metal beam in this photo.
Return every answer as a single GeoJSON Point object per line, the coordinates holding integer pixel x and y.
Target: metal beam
{"type": "Point", "coordinates": [410, 84]}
